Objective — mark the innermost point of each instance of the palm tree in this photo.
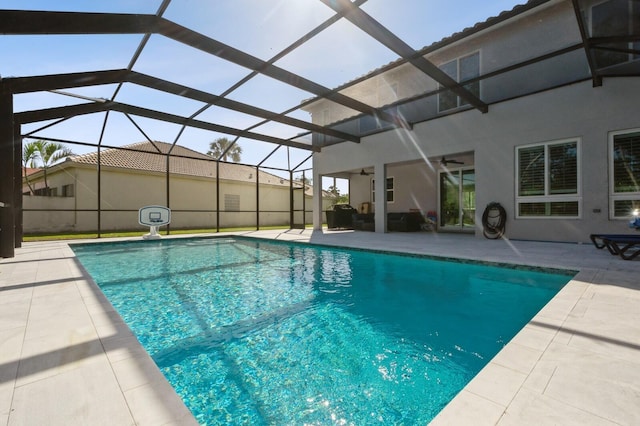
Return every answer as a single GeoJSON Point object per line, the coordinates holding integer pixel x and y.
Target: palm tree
{"type": "Point", "coordinates": [223, 147]}
{"type": "Point", "coordinates": [48, 153]}
{"type": "Point", "coordinates": [29, 157]}
{"type": "Point", "coordinates": [303, 180]}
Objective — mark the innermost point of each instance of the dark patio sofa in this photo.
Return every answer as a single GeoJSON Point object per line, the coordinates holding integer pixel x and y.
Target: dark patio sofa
{"type": "Point", "coordinates": [340, 216]}
{"type": "Point", "coordinates": [404, 221]}
{"type": "Point", "coordinates": [364, 222]}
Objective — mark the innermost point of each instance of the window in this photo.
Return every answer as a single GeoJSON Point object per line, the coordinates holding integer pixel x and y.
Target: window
{"type": "Point", "coordinates": [461, 69]}
{"type": "Point", "coordinates": [68, 190]}
{"type": "Point", "coordinates": [624, 170]}
{"type": "Point", "coordinates": [615, 18]}
{"type": "Point", "coordinates": [389, 189]}
{"type": "Point", "coordinates": [46, 192]}
{"type": "Point", "coordinates": [231, 202]}
{"type": "Point", "coordinates": [548, 180]}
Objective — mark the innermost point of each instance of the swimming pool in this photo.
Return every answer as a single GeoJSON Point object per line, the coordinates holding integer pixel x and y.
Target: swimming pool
{"type": "Point", "coordinates": [260, 332]}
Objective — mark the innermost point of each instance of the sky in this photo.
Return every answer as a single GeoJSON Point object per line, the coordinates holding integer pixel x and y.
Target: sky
{"type": "Point", "coordinates": [261, 28]}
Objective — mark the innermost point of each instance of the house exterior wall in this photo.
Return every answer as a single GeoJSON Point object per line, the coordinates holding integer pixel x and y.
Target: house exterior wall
{"type": "Point", "coordinates": [577, 110]}
{"type": "Point", "coordinates": [552, 26]}
{"type": "Point", "coordinates": [546, 101]}
{"type": "Point", "coordinates": [360, 190]}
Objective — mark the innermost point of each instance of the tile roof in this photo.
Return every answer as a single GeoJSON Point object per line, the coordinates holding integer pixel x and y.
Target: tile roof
{"type": "Point", "coordinates": [492, 20]}
{"type": "Point", "coordinates": [29, 171]}
{"type": "Point", "coordinates": [184, 161]}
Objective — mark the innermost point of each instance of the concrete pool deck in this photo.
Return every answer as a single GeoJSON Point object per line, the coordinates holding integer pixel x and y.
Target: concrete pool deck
{"type": "Point", "coordinates": [66, 357]}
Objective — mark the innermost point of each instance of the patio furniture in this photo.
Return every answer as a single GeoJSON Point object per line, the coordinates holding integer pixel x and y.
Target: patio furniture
{"type": "Point", "coordinates": [405, 221]}
{"type": "Point", "coordinates": [625, 245]}
{"type": "Point", "coordinates": [340, 216]}
{"type": "Point", "coordinates": [598, 239]}
{"type": "Point", "coordinates": [364, 222]}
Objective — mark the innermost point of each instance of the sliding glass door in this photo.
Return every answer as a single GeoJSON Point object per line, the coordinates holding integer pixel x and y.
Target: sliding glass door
{"type": "Point", "coordinates": [457, 199]}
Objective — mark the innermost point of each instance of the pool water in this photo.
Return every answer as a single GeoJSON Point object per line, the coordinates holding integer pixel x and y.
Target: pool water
{"type": "Point", "coordinates": [258, 332]}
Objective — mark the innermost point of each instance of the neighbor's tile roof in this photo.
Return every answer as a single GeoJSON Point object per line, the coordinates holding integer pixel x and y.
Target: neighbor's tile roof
{"type": "Point", "coordinates": [184, 161]}
{"type": "Point", "coordinates": [29, 171]}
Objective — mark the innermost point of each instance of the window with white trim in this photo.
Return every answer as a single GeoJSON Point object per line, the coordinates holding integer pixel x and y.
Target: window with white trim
{"type": "Point", "coordinates": [460, 69]}
{"type": "Point", "coordinates": [389, 190]}
{"type": "Point", "coordinates": [548, 180]}
{"type": "Point", "coordinates": [624, 174]}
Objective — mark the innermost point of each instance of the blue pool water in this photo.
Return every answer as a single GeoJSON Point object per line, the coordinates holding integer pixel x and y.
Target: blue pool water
{"type": "Point", "coordinates": [259, 332]}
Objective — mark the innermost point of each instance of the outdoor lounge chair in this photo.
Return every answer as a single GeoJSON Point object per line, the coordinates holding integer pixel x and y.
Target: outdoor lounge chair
{"type": "Point", "coordinates": [597, 239]}
{"type": "Point", "coordinates": [627, 246]}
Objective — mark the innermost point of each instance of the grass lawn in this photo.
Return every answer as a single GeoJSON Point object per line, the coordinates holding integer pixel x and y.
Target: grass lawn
{"type": "Point", "coordinates": [87, 235]}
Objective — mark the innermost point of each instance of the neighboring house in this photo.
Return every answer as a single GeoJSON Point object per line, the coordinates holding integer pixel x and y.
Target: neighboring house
{"type": "Point", "coordinates": [560, 152]}
{"type": "Point", "coordinates": [26, 175]}
{"type": "Point", "coordinates": [135, 176]}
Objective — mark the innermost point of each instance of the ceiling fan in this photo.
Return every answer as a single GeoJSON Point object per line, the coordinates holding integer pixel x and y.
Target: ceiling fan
{"type": "Point", "coordinates": [364, 173]}
{"type": "Point", "coordinates": [444, 161]}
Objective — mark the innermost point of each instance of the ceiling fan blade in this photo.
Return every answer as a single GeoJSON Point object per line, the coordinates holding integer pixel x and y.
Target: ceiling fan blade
{"type": "Point", "coordinates": [444, 161]}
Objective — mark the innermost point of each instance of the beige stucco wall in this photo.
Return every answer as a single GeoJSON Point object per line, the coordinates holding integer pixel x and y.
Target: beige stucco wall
{"type": "Point", "coordinates": [51, 221]}
{"type": "Point", "coordinates": [130, 190]}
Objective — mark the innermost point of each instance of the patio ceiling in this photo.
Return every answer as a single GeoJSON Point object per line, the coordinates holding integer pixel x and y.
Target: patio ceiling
{"type": "Point", "coordinates": [191, 104]}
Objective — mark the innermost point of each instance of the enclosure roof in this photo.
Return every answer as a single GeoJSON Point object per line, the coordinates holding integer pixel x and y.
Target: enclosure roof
{"type": "Point", "coordinates": [103, 74]}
